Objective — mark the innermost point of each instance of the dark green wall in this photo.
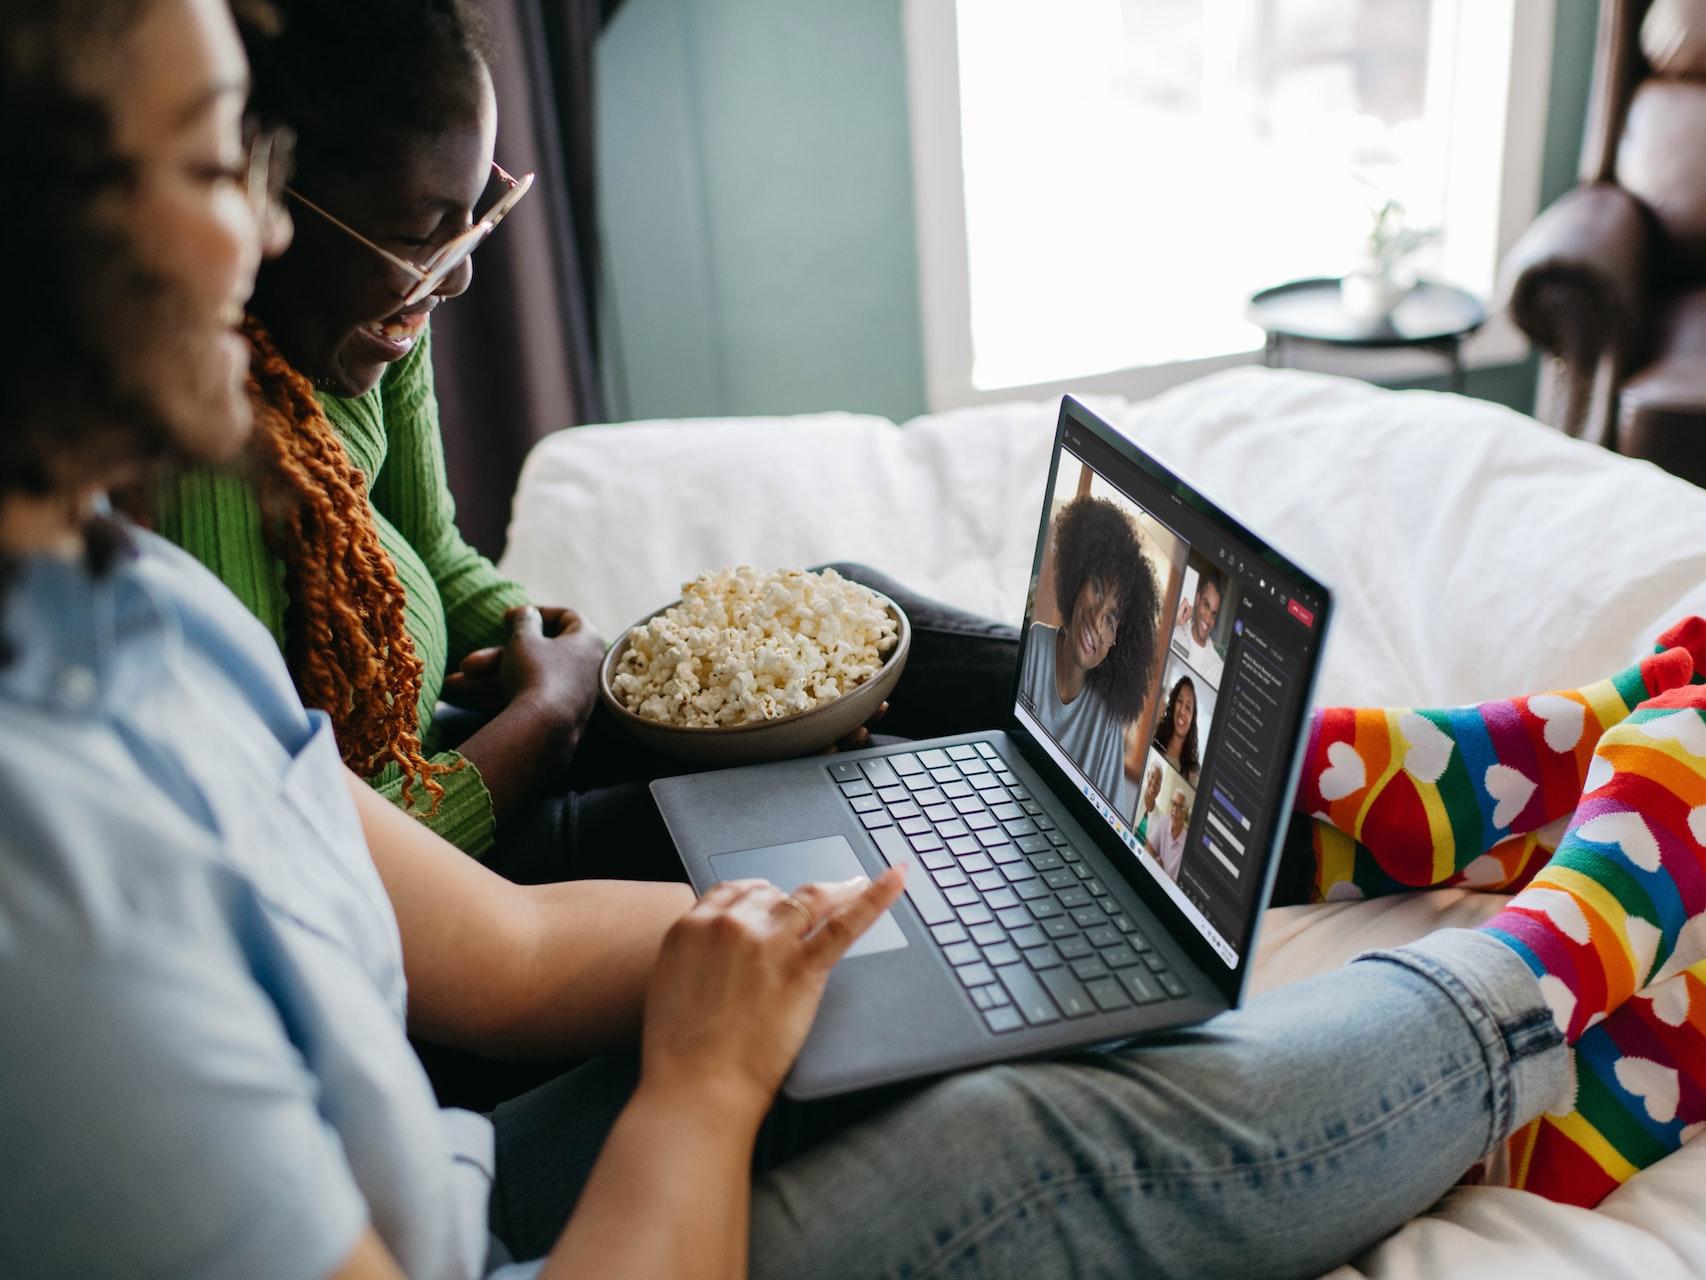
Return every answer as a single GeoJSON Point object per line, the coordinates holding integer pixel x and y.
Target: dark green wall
{"type": "Point", "coordinates": [756, 192]}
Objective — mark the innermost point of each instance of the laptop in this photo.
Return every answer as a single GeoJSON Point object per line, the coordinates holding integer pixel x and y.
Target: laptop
{"type": "Point", "coordinates": [1095, 870]}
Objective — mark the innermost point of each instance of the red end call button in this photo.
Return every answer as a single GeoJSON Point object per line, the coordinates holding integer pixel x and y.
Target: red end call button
{"type": "Point", "coordinates": [1300, 613]}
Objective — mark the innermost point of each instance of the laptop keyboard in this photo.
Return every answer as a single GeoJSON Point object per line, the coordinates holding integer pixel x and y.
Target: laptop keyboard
{"type": "Point", "coordinates": [1032, 933]}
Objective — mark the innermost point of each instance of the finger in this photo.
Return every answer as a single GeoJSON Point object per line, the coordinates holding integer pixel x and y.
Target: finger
{"type": "Point", "coordinates": [825, 897]}
{"type": "Point", "coordinates": [525, 620]}
{"type": "Point", "coordinates": [481, 660]}
{"type": "Point", "coordinates": [881, 711]}
{"type": "Point", "coordinates": [721, 896]}
{"type": "Point", "coordinates": [842, 929]}
{"type": "Point", "coordinates": [792, 914]}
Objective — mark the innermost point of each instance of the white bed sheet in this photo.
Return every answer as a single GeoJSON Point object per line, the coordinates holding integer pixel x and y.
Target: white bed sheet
{"type": "Point", "coordinates": [1474, 552]}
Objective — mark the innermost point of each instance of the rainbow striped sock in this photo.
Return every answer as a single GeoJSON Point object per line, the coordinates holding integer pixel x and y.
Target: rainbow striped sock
{"type": "Point", "coordinates": [1640, 1094]}
{"type": "Point", "coordinates": [1403, 799]}
{"type": "Point", "coordinates": [1622, 903]}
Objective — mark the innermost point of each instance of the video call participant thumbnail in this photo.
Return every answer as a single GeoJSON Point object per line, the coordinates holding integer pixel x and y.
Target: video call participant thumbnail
{"type": "Point", "coordinates": [1199, 614]}
{"type": "Point", "coordinates": [1086, 679]}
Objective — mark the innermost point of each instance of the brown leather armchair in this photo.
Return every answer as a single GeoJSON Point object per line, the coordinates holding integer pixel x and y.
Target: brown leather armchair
{"type": "Point", "coordinates": [1610, 282]}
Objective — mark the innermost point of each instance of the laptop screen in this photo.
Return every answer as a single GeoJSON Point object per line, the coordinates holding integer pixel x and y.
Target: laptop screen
{"type": "Point", "coordinates": [1164, 657]}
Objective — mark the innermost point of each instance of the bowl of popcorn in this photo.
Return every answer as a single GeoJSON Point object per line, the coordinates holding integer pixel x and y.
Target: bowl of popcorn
{"type": "Point", "coordinates": [751, 665]}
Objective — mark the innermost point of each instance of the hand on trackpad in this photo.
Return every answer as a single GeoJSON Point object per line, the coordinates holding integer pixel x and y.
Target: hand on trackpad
{"type": "Point", "coordinates": [788, 866]}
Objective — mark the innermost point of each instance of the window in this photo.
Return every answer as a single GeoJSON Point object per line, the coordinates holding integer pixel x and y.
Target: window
{"type": "Point", "coordinates": [1103, 183]}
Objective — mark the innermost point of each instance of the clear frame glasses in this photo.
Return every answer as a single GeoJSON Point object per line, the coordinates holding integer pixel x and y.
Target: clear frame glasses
{"type": "Point", "coordinates": [453, 253]}
{"type": "Point", "coordinates": [270, 156]}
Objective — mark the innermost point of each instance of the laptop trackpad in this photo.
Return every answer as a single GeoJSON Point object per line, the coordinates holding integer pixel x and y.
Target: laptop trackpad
{"type": "Point", "coordinates": [788, 866]}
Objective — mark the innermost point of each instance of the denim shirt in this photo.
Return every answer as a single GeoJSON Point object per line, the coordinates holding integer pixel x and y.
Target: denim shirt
{"type": "Point", "coordinates": [203, 1064]}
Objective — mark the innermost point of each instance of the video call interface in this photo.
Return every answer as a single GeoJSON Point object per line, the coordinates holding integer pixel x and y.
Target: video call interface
{"type": "Point", "coordinates": [1160, 669]}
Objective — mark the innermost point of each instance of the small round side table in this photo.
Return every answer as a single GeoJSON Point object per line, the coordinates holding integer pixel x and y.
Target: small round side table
{"type": "Point", "coordinates": [1431, 317]}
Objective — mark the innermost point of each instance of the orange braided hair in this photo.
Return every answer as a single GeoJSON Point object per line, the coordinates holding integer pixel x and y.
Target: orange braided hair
{"type": "Point", "coordinates": [348, 645]}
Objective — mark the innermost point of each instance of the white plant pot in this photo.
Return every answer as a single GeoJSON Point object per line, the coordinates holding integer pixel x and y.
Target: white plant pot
{"type": "Point", "coordinates": [1370, 296]}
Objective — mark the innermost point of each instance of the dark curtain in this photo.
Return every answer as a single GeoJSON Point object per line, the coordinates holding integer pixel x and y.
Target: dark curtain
{"type": "Point", "coordinates": [516, 357]}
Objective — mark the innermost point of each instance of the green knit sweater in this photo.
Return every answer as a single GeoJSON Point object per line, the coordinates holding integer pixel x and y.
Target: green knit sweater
{"type": "Point", "coordinates": [456, 598]}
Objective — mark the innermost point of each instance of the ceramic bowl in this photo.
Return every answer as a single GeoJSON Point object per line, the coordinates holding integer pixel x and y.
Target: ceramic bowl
{"type": "Point", "coordinates": [800, 734]}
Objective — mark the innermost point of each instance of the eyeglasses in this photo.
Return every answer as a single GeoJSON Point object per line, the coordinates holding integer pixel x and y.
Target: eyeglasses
{"type": "Point", "coordinates": [271, 153]}
{"type": "Point", "coordinates": [453, 253]}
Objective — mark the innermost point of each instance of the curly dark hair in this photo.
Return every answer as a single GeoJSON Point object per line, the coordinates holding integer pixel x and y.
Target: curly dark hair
{"type": "Point", "coordinates": [1188, 761]}
{"type": "Point", "coordinates": [1095, 538]}
{"type": "Point", "coordinates": [348, 77]}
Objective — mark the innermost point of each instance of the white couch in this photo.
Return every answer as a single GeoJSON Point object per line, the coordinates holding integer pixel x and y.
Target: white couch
{"type": "Point", "coordinates": [1474, 552]}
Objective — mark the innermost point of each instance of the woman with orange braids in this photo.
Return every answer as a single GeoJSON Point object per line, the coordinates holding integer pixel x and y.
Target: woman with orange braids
{"type": "Point", "coordinates": [340, 532]}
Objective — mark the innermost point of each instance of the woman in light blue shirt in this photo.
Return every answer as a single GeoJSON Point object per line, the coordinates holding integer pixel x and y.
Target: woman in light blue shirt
{"type": "Point", "coordinates": [212, 937]}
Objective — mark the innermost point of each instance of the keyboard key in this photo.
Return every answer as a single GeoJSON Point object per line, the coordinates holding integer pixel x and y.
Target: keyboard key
{"type": "Point", "coordinates": [1119, 957]}
{"type": "Point", "coordinates": [858, 787]}
{"type": "Point", "coordinates": [1104, 935]}
{"type": "Point", "coordinates": [1107, 994]}
{"type": "Point", "coordinates": [1075, 947]}
{"type": "Point", "coordinates": [987, 785]}
{"type": "Point", "coordinates": [1036, 844]}
{"type": "Point", "coordinates": [905, 764]}
{"type": "Point", "coordinates": [1028, 994]}
{"type": "Point", "coordinates": [987, 935]}
{"type": "Point", "coordinates": [1006, 1018]}
{"type": "Point", "coordinates": [1006, 853]}
{"type": "Point", "coordinates": [913, 826]}
{"type": "Point", "coordinates": [975, 862]}
{"type": "Point", "coordinates": [866, 804]}
{"type": "Point", "coordinates": [1020, 827]}
{"type": "Point", "coordinates": [1171, 985]}
{"type": "Point", "coordinates": [1012, 785]}
{"type": "Point", "coordinates": [989, 880]}
{"type": "Point", "coordinates": [926, 842]}
{"type": "Point", "coordinates": [1041, 956]}
{"type": "Point", "coordinates": [986, 750]}
{"type": "Point", "coordinates": [958, 789]}
{"type": "Point", "coordinates": [847, 771]}
{"type": "Point", "coordinates": [1017, 869]}
{"type": "Point", "coordinates": [1001, 953]}
{"type": "Point", "coordinates": [971, 768]}
{"type": "Point", "coordinates": [877, 818]}
{"type": "Point", "coordinates": [1007, 812]}
{"type": "Point", "coordinates": [1000, 900]}
{"type": "Point", "coordinates": [966, 804]}
{"type": "Point", "coordinates": [891, 795]}
{"type": "Point", "coordinates": [1043, 821]}
{"type": "Point", "coordinates": [962, 953]}
{"type": "Point", "coordinates": [948, 934]}
{"type": "Point", "coordinates": [962, 843]}
{"type": "Point", "coordinates": [951, 828]}
{"type": "Point", "coordinates": [1139, 985]}
{"type": "Point", "coordinates": [1045, 861]}
{"type": "Point", "coordinates": [940, 813]}
{"type": "Point", "coordinates": [997, 995]}
{"type": "Point", "coordinates": [1087, 917]}
{"type": "Point", "coordinates": [981, 998]}
{"type": "Point", "coordinates": [880, 773]}
{"type": "Point", "coordinates": [975, 914]}
{"type": "Point", "coordinates": [926, 898]}
{"type": "Point", "coordinates": [1059, 926]}
{"type": "Point", "coordinates": [1061, 878]}
{"type": "Point", "coordinates": [962, 751]}
{"type": "Point", "coordinates": [961, 895]}
{"type": "Point", "coordinates": [989, 837]}
{"type": "Point", "coordinates": [1155, 962]}
{"type": "Point", "coordinates": [936, 859]}
{"type": "Point", "coordinates": [945, 775]}
{"type": "Point", "coordinates": [1045, 906]}
{"type": "Point", "coordinates": [1029, 890]}
{"type": "Point", "coordinates": [1059, 842]}
{"type": "Point", "coordinates": [1098, 888]}
{"type": "Point", "coordinates": [974, 975]}
{"type": "Point", "coordinates": [933, 759]}
{"type": "Point", "coordinates": [1014, 917]}
{"type": "Point", "coordinates": [1082, 871]}
{"type": "Point", "coordinates": [1028, 935]}
{"type": "Point", "coordinates": [1090, 967]}
{"type": "Point", "coordinates": [1031, 807]}
{"type": "Point", "coordinates": [948, 877]}
{"type": "Point", "coordinates": [1068, 993]}
{"type": "Point", "coordinates": [918, 783]}
{"type": "Point", "coordinates": [1123, 922]}
{"type": "Point", "coordinates": [1007, 779]}
{"type": "Point", "coordinates": [1076, 896]}
{"type": "Point", "coordinates": [924, 799]}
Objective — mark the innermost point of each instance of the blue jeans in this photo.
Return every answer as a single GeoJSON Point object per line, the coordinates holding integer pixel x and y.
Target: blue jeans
{"type": "Point", "coordinates": [1277, 1140]}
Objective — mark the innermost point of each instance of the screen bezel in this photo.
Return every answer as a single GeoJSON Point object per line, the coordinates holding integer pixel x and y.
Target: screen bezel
{"type": "Point", "coordinates": [1231, 980]}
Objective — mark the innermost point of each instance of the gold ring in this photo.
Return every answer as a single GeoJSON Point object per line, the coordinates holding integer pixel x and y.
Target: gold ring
{"type": "Point", "coordinates": [803, 909]}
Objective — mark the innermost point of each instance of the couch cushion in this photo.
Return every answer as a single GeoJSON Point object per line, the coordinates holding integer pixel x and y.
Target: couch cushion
{"type": "Point", "coordinates": [1673, 37]}
{"type": "Point", "coordinates": [1661, 162]}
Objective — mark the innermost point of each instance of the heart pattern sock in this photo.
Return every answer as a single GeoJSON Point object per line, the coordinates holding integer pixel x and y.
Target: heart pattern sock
{"type": "Point", "coordinates": [1403, 799]}
{"type": "Point", "coordinates": [1622, 903]}
{"type": "Point", "coordinates": [1640, 1094]}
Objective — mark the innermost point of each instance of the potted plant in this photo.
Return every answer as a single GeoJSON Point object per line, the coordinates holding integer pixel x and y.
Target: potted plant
{"type": "Point", "coordinates": [1377, 284]}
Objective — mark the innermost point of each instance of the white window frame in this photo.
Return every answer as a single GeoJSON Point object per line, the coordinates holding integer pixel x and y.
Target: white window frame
{"type": "Point", "coordinates": [1515, 35]}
